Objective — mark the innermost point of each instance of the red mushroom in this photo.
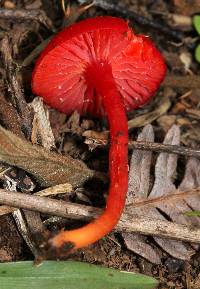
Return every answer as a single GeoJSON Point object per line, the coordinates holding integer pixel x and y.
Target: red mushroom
{"type": "Point", "coordinates": [99, 66]}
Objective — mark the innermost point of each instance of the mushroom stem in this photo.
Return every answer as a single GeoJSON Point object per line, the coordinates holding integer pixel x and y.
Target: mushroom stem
{"type": "Point", "coordinates": [99, 76]}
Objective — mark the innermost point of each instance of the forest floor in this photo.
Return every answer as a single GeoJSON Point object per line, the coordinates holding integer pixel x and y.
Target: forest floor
{"type": "Point", "coordinates": [25, 25]}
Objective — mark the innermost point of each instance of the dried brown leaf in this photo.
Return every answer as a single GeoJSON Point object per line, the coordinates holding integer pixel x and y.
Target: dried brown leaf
{"type": "Point", "coordinates": [165, 173]}
{"type": "Point", "coordinates": [139, 172]}
{"type": "Point", "coordinates": [139, 183]}
{"type": "Point", "coordinates": [49, 168]}
{"type": "Point", "coordinates": [192, 180]}
{"type": "Point", "coordinates": [137, 243]}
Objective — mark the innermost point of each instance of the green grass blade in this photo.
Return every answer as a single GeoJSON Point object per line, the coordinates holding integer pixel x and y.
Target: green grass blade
{"type": "Point", "coordinates": [69, 275]}
{"type": "Point", "coordinates": [196, 23]}
{"type": "Point", "coordinates": [197, 53]}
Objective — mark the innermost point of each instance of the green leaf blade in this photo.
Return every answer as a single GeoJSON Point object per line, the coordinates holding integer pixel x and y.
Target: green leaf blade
{"type": "Point", "coordinates": [69, 275]}
{"type": "Point", "coordinates": [196, 23]}
{"type": "Point", "coordinates": [197, 53]}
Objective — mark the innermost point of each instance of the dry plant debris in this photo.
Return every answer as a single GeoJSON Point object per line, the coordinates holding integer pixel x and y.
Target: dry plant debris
{"type": "Point", "coordinates": [27, 15]}
{"type": "Point", "coordinates": [14, 85]}
{"type": "Point", "coordinates": [48, 168]}
{"type": "Point", "coordinates": [25, 27]}
{"type": "Point", "coordinates": [41, 128]}
{"type": "Point", "coordinates": [141, 188]}
{"type": "Point", "coordinates": [24, 225]}
{"type": "Point", "coordinates": [142, 214]}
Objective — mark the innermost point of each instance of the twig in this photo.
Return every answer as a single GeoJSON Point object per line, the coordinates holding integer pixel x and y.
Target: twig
{"type": "Point", "coordinates": [93, 141]}
{"type": "Point", "coordinates": [27, 15]}
{"type": "Point", "coordinates": [24, 229]}
{"type": "Point", "coordinates": [51, 191]}
{"type": "Point", "coordinates": [20, 219]}
{"type": "Point", "coordinates": [46, 205]}
{"type": "Point", "coordinates": [174, 196]}
{"type": "Point", "coordinates": [157, 147]}
{"type": "Point", "coordinates": [123, 11]}
{"type": "Point", "coordinates": [128, 222]}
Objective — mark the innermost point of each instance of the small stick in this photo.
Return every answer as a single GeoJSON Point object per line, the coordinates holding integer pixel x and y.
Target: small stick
{"type": "Point", "coordinates": [27, 15]}
{"type": "Point", "coordinates": [127, 223]}
{"type": "Point", "coordinates": [44, 205]}
{"type": "Point", "coordinates": [174, 196]}
{"type": "Point", "coordinates": [142, 145]}
{"type": "Point", "coordinates": [172, 149]}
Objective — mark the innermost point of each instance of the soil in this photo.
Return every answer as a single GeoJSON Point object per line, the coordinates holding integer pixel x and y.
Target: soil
{"type": "Point", "coordinates": [26, 35]}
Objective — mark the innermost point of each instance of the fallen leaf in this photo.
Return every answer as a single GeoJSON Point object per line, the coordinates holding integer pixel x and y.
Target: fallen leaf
{"type": "Point", "coordinates": [49, 168]}
{"type": "Point", "coordinates": [138, 188]}
{"type": "Point", "coordinates": [165, 174]}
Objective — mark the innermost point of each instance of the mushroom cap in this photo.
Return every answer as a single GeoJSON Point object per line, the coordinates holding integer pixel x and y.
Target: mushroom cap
{"type": "Point", "coordinates": [59, 75]}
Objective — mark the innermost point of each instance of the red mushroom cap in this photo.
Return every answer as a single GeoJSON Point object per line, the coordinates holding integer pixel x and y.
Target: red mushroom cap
{"type": "Point", "coordinates": [61, 73]}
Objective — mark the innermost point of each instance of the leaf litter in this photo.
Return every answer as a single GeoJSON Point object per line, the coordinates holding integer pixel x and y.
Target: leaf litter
{"type": "Point", "coordinates": [190, 132]}
{"type": "Point", "coordinates": [141, 188]}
